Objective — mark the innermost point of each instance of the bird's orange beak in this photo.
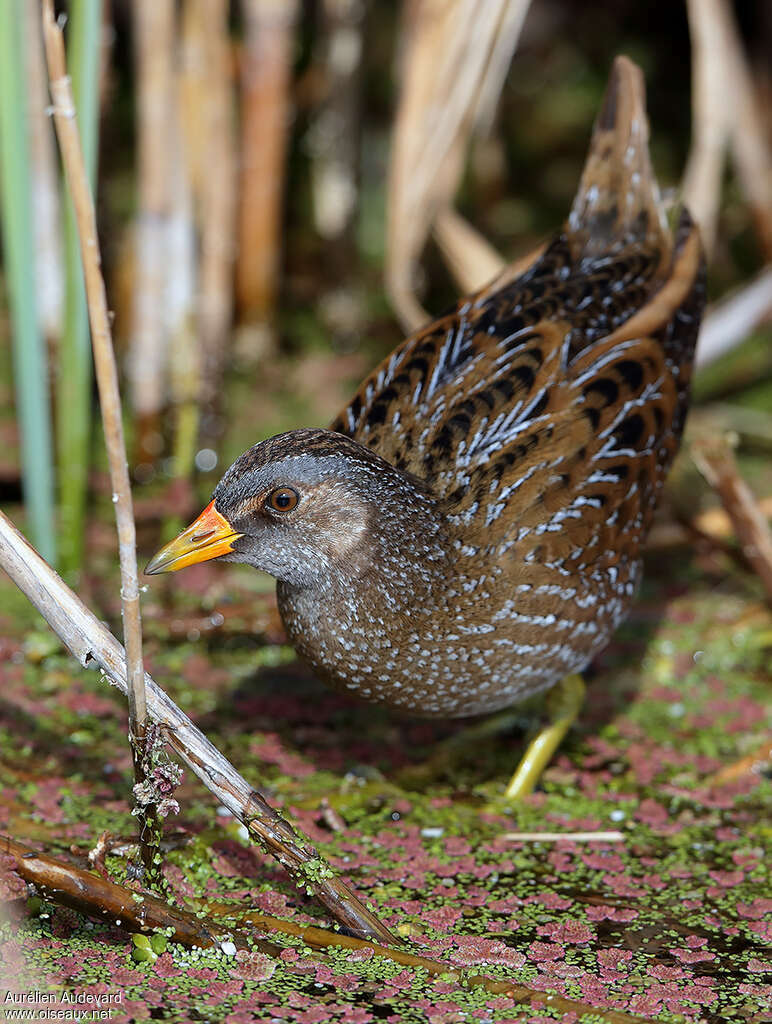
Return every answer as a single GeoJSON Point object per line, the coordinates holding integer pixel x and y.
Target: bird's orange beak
{"type": "Point", "coordinates": [207, 537]}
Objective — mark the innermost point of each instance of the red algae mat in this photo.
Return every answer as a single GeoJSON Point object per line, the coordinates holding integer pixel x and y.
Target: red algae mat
{"type": "Point", "coordinates": [672, 922]}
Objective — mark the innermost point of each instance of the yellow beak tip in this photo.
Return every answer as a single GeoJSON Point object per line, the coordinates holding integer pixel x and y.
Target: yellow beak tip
{"type": "Point", "coordinates": [209, 536]}
{"type": "Point", "coordinates": [156, 565]}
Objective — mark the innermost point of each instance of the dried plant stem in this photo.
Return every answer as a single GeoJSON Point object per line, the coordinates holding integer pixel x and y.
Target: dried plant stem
{"type": "Point", "coordinates": [266, 70]}
{"type": "Point", "coordinates": [91, 642]}
{"type": "Point", "coordinates": [74, 371]}
{"type": "Point", "coordinates": [715, 460]}
{"type": "Point", "coordinates": [321, 938]}
{"type": "Point", "coordinates": [711, 113]}
{"type": "Point", "coordinates": [110, 402]}
{"type": "Point", "coordinates": [456, 56]}
{"type": "Point", "coordinates": [726, 114]}
{"type": "Point", "coordinates": [218, 190]}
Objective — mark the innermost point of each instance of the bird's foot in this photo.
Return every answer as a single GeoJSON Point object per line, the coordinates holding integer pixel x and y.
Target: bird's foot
{"type": "Point", "coordinates": [564, 703]}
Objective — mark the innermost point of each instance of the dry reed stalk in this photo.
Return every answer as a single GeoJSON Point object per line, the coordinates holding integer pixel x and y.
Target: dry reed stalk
{"type": "Point", "coordinates": [725, 113]}
{"type": "Point", "coordinates": [218, 190]}
{"type": "Point", "coordinates": [715, 460]}
{"type": "Point", "coordinates": [334, 136]}
{"type": "Point", "coordinates": [44, 184]}
{"type": "Point", "coordinates": [192, 87]}
{"type": "Point", "coordinates": [153, 44]}
{"type": "Point", "coordinates": [109, 396]}
{"type": "Point", "coordinates": [711, 114]}
{"type": "Point", "coordinates": [91, 643]}
{"type": "Point", "coordinates": [454, 60]}
{"type": "Point", "coordinates": [74, 370]}
{"type": "Point", "coordinates": [749, 138]}
{"type": "Point", "coordinates": [266, 75]}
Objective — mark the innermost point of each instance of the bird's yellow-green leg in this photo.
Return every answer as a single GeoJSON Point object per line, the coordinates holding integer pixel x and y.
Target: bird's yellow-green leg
{"type": "Point", "coordinates": [564, 703]}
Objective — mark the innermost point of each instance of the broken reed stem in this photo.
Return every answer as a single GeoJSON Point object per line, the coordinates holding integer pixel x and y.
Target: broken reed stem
{"type": "Point", "coordinates": [321, 938]}
{"type": "Point", "coordinates": [98, 897]}
{"type": "Point", "coordinates": [713, 524]}
{"type": "Point", "coordinates": [91, 642]}
{"type": "Point", "coordinates": [110, 402]}
{"type": "Point", "coordinates": [715, 460]}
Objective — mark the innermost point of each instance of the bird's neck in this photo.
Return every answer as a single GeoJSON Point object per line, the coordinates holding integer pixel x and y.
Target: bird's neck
{"type": "Point", "coordinates": [368, 602]}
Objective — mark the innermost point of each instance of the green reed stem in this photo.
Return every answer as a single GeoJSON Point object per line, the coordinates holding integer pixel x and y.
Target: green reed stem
{"type": "Point", "coordinates": [75, 373]}
{"type": "Point", "coordinates": [30, 369]}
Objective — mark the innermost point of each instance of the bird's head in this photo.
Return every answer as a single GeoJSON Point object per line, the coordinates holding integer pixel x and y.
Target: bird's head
{"type": "Point", "coordinates": [299, 506]}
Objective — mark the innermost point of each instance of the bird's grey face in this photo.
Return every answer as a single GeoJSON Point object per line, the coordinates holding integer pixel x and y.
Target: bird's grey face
{"type": "Point", "coordinates": [299, 518]}
{"type": "Point", "coordinates": [299, 515]}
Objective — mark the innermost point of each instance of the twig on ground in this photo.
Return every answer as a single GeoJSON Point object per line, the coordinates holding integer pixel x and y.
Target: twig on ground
{"type": "Point", "coordinates": [567, 837]}
{"type": "Point", "coordinates": [714, 524]}
{"type": "Point", "coordinates": [321, 938]}
{"type": "Point", "coordinates": [110, 402]}
{"type": "Point", "coordinates": [91, 642]}
{"type": "Point", "coordinates": [715, 460]}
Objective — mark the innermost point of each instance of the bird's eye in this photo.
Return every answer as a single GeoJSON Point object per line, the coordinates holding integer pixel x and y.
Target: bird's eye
{"type": "Point", "coordinates": [283, 499]}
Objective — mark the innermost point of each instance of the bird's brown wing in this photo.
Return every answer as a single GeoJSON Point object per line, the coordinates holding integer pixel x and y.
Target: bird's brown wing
{"type": "Point", "coordinates": [568, 407]}
{"type": "Point", "coordinates": [541, 395]}
{"type": "Point", "coordinates": [591, 463]}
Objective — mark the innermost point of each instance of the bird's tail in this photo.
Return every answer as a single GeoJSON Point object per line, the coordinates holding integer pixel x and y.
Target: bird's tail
{"type": "Point", "coordinates": [618, 201]}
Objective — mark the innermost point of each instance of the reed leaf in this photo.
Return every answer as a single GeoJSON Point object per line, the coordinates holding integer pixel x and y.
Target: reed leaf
{"type": "Point", "coordinates": [30, 369]}
{"type": "Point", "coordinates": [75, 372]}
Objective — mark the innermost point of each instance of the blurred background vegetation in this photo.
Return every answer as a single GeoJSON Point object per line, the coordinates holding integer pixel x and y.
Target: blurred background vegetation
{"type": "Point", "coordinates": [284, 187]}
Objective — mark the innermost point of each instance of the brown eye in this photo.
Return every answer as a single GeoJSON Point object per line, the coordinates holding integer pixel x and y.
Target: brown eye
{"type": "Point", "coordinates": [283, 499]}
